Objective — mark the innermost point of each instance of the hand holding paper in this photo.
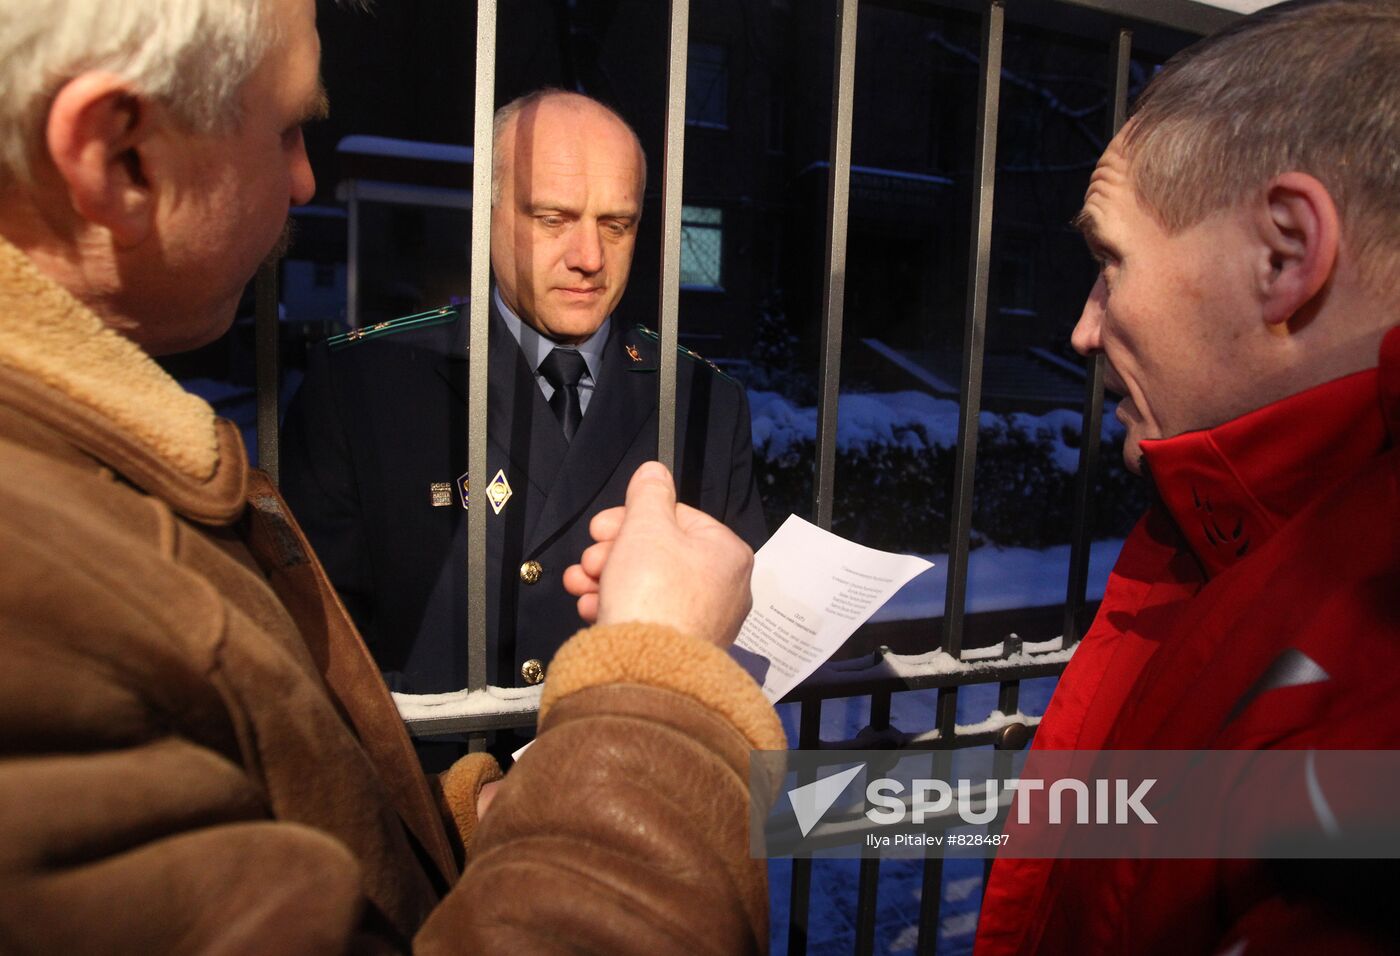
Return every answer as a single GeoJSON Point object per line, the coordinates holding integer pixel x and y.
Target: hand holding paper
{"type": "Point", "coordinates": [663, 562]}
{"type": "Point", "coordinates": [656, 560]}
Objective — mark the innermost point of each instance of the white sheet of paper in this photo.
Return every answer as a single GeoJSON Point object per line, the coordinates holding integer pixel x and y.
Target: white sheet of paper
{"type": "Point", "coordinates": [811, 590]}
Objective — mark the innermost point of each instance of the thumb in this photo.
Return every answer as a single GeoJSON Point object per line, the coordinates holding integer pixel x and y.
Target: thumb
{"type": "Point", "coordinates": [651, 494]}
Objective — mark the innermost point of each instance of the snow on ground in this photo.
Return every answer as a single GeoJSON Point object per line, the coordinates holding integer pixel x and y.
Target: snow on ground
{"type": "Point", "coordinates": [911, 419]}
{"type": "Point", "coordinates": [832, 909]}
{"type": "Point", "coordinates": [1000, 579]}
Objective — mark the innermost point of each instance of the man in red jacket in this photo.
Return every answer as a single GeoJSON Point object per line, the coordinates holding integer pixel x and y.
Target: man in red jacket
{"type": "Point", "coordinates": [1247, 225]}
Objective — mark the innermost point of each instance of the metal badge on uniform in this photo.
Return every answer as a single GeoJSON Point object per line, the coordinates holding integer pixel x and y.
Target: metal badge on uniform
{"type": "Point", "coordinates": [633, 353]}
{"type": "Point", "coordinates": [498, 492]}
{"type": "Point", "coordinates": [462, 488]}
{"type": "Point", "coordinates": [441, 492]}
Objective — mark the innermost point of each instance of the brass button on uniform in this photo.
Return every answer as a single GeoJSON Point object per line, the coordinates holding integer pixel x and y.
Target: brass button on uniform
{"type": "Point", "coordinates": [530, 572]}
{"type": "Point", "coordinates": [533, 671]}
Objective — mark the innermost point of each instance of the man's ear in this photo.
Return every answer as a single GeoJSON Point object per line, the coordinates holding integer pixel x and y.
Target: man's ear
{"type": "Point", "coordinates": [96, 133]}
{"type": "Point", "coordinates": [1301, 233]}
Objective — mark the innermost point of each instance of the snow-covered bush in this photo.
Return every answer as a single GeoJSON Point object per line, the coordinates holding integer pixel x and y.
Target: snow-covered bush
{"type": "Point", "coordinates": [895, 468]}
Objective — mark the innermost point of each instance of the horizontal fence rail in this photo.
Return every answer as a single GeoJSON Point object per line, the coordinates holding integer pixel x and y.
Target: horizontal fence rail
{"type": "Point", "coordinates": [882, 672]}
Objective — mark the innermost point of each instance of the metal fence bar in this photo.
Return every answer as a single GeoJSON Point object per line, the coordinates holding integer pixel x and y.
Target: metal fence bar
{"type": "Point", "coordinates": [482, 161]}
{"type": "Point", "coordinates": [838, 207]}
{"type": "Point", "coordinates": [1090, 431]}
{"type": "Point", "coordinates": [266, 340]}
{"type": "Point", "coordinates": [799, 902]}
{"type": "Point", "coordinates": [674, 172]}
{"type": "Point", "coordinates": [931, 891]}
{"type": "Point", "coordinates": [946, 712]}
{"type": "Point", "coordinates": [930, 905]}
{"type": "Point", "coordinates": [880, 710]}
{"type": "Point", "coordinates": [867, 898]}
{"type": "Point", "coordinates": [879, 681]}
{"type": "Point", "coordinates": [974, 335]}
{"type": "Point", "coordinates": [800, 896]}
{"type": "Point", "coordinates": [1009, 697]}
{"type": "Point", "coordinates": [975, 326]}
{"type": "Point", "coordinates": [352, 253]}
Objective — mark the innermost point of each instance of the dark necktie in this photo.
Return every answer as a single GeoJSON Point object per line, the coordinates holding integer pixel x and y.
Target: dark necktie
{"type": "Point", "coordinates": [562, 369]}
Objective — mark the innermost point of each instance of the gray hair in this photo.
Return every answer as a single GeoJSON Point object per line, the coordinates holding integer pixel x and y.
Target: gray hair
{"type": "Point", "coordinates": [509, 111]}
{"type": "Point", "coordinates": [192, 55]}
{"type": "Point", "coordinates": [1306, 86]}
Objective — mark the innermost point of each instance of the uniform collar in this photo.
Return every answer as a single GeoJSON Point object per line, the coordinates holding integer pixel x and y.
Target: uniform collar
{"type": "Point", "coordinates": [1229, 488]}
{"type": "Point", "coordinates": [536, 347]}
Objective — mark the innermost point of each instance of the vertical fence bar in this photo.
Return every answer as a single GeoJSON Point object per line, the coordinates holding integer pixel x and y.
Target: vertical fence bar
{"type": "Point", "coordinates": [866, 904]}
{"type": "Point", "coordinates": [975, 326]}
{"type": "Point", "coordinates": [266, 333]}
{"type": "Point", "coordinates": [800, 898]}
{"type": "Point", "coordinates": [947, 715]}
{"type": "Point", "coordinates": [352, 254]}
{"type": "Point", "coordinates": [798, 905]}
{"type": "Point", "coordinates": [1082, 529]}
{"type": "Point", "coordinates": [1009, 697]}
{"type": "Point", "coordinates": [930, 906]}
{"type": "Point", "coordinates": [931, 892]}
{"type": "Point", "coordinates": [880, 710]}
{"type": "Point", "coordinates": [673, 175]}
{"type": "Point", "coordinates": [838, 206]}
{"type": "Point", "coordinates": [483, 146]}
{"type": "Point", "coordinates": [974, 335]}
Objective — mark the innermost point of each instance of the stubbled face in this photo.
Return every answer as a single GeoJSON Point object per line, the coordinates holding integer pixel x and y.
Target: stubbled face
{"type": "Point", "coordinates": [564, 229]}
{"type": "Point", "coordinates": [1171, 313]}
{"type": "Point", "coordinates": [227, 196]}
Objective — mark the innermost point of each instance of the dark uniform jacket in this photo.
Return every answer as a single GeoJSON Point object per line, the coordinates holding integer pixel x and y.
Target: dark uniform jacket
{"type": "Point", "coordinates": [374, 446]}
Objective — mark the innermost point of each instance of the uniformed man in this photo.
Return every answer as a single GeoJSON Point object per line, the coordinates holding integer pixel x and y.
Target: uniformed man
{"type": "Point", "coordinates": [375, 443]}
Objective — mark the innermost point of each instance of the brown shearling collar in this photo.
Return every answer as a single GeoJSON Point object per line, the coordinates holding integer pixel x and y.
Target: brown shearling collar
{"type": "Point", "coordinates": [61, 365]}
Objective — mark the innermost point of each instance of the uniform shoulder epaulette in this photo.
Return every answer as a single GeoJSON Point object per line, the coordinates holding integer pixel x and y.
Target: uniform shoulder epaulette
{"type": "Point", "coordinates": [695, 356]}
{"type": "Point", "coordinates": [419, 320]}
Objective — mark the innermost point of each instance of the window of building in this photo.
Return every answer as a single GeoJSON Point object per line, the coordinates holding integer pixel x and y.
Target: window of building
{"type": "Point", "coordinates": [702, 245]}
{"type": "Point", "coordinates": [707, 86]}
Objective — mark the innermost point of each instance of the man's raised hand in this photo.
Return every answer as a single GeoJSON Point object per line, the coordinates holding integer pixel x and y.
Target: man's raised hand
{"type": "Point", "coordinates": [658, 561]}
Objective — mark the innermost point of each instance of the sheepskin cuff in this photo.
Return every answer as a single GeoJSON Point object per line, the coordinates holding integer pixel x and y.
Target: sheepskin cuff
{"type": "Point", "coordinates": [460, 786]}
{"type": "Point", "coordinates": [660, 656]}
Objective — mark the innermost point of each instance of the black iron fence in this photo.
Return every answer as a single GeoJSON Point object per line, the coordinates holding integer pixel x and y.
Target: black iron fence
{"type": "Point", "coordinates": [883, 673]}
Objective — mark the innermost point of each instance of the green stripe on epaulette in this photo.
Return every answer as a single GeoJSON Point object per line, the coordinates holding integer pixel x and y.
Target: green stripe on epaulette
{"type": "Point", "coordinates": [419, 320]}
{"type": "Point", "coordinates": [656, 337]}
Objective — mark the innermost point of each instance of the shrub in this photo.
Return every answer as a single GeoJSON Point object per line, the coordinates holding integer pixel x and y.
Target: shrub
{"type": "Point", "coordinates": [898, 496]}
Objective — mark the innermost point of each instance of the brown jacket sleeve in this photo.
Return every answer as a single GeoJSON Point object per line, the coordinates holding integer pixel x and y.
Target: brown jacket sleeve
{"type": "Point", "coordinates": [173, 776]}
{"type": "Point", "coordinates": [625, 827]}
{"type": "Point", "coordinates": [161, 849]}
{"type": "Point", "coordinates": [121, 836]}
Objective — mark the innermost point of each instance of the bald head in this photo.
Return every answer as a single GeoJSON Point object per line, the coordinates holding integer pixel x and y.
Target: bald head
{"type": "Point", "coordinates": [566, 199]}
{"type": "Point", "coordinates": [573, 107]}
